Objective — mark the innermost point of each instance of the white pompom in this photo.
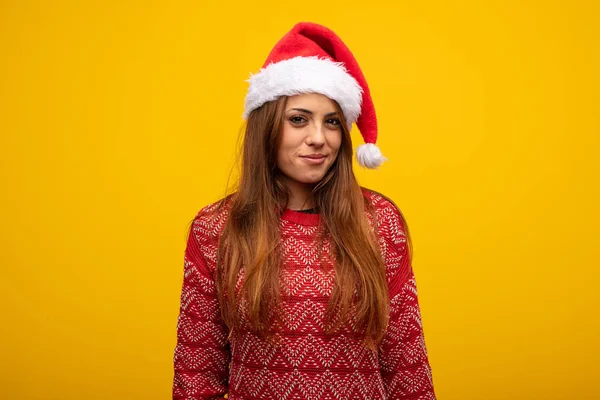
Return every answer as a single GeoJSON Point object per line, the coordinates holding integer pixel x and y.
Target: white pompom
{"type": "Point", "coordinates": [369, 155]}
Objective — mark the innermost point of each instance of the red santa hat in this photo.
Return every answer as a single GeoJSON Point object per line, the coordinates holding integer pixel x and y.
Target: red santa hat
{"type": "Point", "coordinates": [313, 59]}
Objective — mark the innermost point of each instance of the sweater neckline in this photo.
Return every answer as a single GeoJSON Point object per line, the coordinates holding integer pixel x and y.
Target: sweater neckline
{"type": "Point", "coordinates": [302, 218]}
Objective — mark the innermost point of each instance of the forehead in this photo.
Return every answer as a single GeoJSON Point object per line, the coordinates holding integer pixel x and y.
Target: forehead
{"type": "Point", "coordinates": [311, 101]}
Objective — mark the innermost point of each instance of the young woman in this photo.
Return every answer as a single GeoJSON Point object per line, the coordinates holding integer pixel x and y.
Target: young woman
{"type": "Point", "coordinates": [299, 285]}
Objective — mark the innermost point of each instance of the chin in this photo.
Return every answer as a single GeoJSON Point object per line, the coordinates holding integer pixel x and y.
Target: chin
{"type": "Point", "coordinates": [305, 176]}
{"type": "Point", "coordinates": [313, 179]}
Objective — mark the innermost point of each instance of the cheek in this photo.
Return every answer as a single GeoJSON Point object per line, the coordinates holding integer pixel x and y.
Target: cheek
{"type": "Point", "coordinates": [287, 147]}
{"type": "Point", "coordinates": [336, 141]}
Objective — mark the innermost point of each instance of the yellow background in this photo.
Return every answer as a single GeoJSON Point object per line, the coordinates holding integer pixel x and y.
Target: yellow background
{"type": "Point", "coordinates": [119, 121]}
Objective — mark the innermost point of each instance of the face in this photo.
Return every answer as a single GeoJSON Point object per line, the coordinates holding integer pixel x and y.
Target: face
{"type": "Point", "coordinates": [310, 138]}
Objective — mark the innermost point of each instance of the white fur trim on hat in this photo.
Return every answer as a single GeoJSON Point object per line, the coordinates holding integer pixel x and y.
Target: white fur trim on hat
{"type": "Point", "coordinates": [305, 75]}
{"type": "Point", "coordinates": [368, 155]}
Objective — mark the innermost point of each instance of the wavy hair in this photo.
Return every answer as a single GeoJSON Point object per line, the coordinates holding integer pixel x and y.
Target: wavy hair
{"type": "Point", "coordinates": [250, 241]}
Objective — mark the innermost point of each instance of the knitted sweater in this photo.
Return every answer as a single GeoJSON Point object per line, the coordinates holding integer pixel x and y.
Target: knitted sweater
{"type": "Point", "coordinates": [305, 363]}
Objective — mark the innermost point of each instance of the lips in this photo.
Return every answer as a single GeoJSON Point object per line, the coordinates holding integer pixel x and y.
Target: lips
{"type": "Point", "coordinates": [314, 159]}
{"type": "Point", "coordinates": [314, 156]}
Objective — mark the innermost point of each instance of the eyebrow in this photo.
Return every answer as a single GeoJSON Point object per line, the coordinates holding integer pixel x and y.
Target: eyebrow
{"type": "Point", "coordinates": [310, 112]}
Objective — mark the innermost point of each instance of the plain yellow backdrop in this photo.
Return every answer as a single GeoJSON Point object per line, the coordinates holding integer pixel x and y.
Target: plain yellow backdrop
{"type": "Point", "coordinates": [119, 121]}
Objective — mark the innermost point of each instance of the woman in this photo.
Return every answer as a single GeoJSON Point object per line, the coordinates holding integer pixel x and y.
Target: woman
{"type": "Point", "coordinates": [299, 285]}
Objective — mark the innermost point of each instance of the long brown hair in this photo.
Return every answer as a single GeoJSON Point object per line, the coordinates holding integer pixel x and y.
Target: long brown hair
{"type": "Point", "coordinates": [250, 241]}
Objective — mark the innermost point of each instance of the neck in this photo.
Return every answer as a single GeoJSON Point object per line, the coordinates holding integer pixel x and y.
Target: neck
{"type": "Point", "coordinates": [300, 195]}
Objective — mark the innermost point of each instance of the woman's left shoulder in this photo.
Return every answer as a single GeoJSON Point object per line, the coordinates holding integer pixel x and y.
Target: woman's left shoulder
{"type": "Point", "coordinates": [380, 202]}
{"type": "Point", "coordinates": [386, 210]}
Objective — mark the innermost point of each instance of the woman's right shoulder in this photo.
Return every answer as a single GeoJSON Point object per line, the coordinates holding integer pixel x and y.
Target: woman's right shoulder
{"type": "Point", "coordinates": [211, 218]}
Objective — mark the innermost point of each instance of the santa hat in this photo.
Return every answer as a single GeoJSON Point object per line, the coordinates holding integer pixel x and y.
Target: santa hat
{"type": "Point", "coordinates": [313, 59]}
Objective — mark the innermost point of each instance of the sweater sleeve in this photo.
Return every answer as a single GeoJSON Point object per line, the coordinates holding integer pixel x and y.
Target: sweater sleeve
{"type": "Point", "coordinates": [201, 356]}
{"type": "Point", "coordinates": [403, 355]}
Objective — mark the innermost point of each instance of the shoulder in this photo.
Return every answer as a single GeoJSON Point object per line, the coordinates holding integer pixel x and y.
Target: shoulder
{"type": "Point", "coordinates": [391, 226]}
{"type": "Point", "coordinates": [209, 222]}
{"type": "Point", "coordinates": [387, 212]}
{"type": "Point", "coordinates": [393, 237]}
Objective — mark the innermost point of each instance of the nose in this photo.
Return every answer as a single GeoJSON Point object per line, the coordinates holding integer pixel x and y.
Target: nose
{"type": "Point", "coordinates": [316, 135]}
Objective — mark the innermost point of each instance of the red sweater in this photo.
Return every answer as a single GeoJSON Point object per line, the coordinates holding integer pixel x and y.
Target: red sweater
{"type": "Point", "coordinates": [307, 363]}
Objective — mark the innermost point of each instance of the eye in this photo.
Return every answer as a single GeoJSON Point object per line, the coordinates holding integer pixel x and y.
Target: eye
{"type": "Point", "coordinates": [297, 119]}
{"type": "Point", "coordinates": [333, 121]}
